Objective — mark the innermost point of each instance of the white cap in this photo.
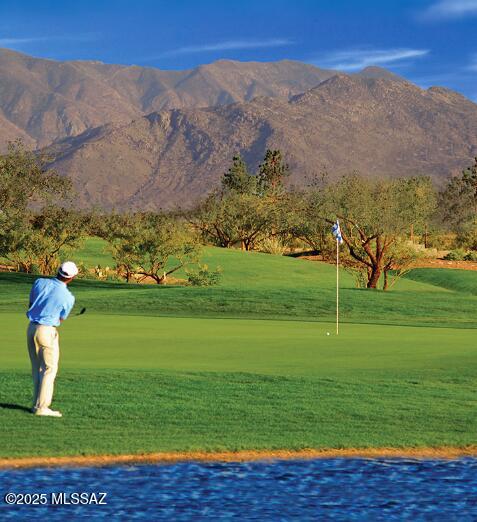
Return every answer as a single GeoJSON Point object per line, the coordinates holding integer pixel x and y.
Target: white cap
{"type": "Point", "coordinates": [68, 269]}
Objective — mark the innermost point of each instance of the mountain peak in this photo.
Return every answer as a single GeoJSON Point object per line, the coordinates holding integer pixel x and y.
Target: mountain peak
{"type": "Point", "coordinates": [379, 72]}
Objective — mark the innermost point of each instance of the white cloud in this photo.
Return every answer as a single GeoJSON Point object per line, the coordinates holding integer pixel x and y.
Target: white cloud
{"type": "Point", "coordinates": [5, 42]}
{"type": "Point", "coordinates": [355, 59]}
{"type": "Point", "coordinates": [451, 9]}
{"type": "Point", "coordinates": [18, 42]}
{"type": "Point", "coordinates": [229, 45]}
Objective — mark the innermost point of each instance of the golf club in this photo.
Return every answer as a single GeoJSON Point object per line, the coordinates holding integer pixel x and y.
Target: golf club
{"type": "Point", "coordinates": [81, 312]}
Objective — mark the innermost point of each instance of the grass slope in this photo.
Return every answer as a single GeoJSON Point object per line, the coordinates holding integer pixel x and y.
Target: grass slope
{"type": "Point", "coordinates": [463, 281]}
{"type": "Point", "coordinates": [263, 286]}
{"type": "Point", "coordinates": [153, 368]}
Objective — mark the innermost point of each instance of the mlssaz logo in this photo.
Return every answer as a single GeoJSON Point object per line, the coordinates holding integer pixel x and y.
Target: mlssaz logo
{"type": "Point", "coordinates": [74, 499]}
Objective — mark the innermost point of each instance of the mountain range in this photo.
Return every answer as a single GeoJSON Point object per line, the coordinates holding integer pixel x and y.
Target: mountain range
{"type": "Point", "coordinates": [144, 138]}
{"type": "Point", "coordinates": [45, 100]}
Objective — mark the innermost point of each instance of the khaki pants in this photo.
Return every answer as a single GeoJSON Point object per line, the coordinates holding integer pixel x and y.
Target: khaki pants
{"type": "Point", "coordinates": [44, 351]}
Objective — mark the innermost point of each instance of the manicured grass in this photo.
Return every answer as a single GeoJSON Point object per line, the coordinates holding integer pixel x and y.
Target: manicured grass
{"type": "Point", "coordinates": [258, 285]}
{"type": "Point", "coordinates": [464, 281]}
{"type": "Point", "coordinates": [135, 384]}
{"type": "Point", "coordinates": [134, 411]}
{"type": "Point", "coordinates": [94, 252]}
{"type": "Point", "coordinates": [287, 348]}
{"type": "Point", "coordinates": [248, 364]}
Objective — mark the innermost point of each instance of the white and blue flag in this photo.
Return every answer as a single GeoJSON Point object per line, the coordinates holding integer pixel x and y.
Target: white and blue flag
{"type": "Point", "coordinates": [336, 230]}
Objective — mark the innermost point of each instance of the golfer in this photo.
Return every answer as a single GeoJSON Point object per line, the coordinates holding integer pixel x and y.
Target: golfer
{"type": "Point", "coordinates": [50, 304]}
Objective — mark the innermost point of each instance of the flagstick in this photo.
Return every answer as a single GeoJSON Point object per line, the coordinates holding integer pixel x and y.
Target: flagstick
{"type": "Point", "coordinates": [337, 288]}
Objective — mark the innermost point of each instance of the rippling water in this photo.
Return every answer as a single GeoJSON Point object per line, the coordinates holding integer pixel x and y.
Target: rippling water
{"type": "Point", "coordinates": [337, 489]}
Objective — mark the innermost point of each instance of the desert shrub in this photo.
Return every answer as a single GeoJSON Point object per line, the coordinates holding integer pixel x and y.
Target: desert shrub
{"type": "Point", "coordinates": [359, 274]}
{"type": "Point", "coordinates": [35, 269]}
{"type": "Point", "coordinates": [467, 238]}
{"type": "Point", "coordinates": [471, 256]}
{"type": "Point", "coordinates": [151, 246]}
{"type": "Point", "coordinates": [441, 241]}
{"type": "Point", "coordinates": [203, 276]}
{"type": "Point", "coordinates": [272, 245]}
{"type": "Point", "coordinates": [455, 255]}
{"type": "Point", "coordinates": [113, 277]}
{"type": "Point", "coordinates": [83, 271]}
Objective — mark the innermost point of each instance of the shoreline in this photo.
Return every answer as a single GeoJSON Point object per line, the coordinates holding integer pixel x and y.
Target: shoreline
{"type": "Point", "coordinates": [443, 452]}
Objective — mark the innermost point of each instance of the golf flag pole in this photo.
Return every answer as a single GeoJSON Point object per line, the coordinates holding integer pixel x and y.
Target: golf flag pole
{"type": "Point", "coordinates": [337, 287]}
{"type": "Point", "coordinates": [336, 231]}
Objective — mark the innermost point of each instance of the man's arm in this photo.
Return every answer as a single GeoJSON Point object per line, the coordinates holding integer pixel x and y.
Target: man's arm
{"type": "Point", "coordinates": [32, 295]}
{"type": "Point", "coordinates": [68, 306]}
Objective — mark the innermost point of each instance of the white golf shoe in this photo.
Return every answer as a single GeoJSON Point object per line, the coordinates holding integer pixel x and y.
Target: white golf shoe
{"type": "Point", "coordinates": [46, 412]}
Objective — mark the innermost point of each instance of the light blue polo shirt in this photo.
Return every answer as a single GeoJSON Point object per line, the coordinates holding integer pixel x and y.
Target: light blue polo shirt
{"type": "Point", "coordinates": [50, 301]}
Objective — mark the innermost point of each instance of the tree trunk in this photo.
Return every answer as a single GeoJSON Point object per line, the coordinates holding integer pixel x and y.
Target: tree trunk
{"type": "Point", "coordinates": [373, 278]}
{"type": "Point", "coordinates": [385, 284]}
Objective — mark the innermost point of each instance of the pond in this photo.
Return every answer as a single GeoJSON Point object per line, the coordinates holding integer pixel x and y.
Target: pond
{"type": "Point", "coordinates": [321, 489]}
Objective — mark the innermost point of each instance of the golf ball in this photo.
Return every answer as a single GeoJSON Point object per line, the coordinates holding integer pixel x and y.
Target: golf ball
{"type": "Point", "coordinates": [327, 333]}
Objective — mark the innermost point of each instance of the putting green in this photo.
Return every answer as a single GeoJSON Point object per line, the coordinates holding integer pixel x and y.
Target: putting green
{"type": "Point", "coordinates": [256, 346]}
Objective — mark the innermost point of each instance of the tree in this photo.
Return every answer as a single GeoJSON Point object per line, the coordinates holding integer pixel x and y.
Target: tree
{"type": "Point", "coordinates": [152, 245]}
{"type": "Point", "coordinates": [25, 183]}
{"type": "Point", "coordinates": [25, 179]}
{"type": "Point", "coordinates": [214, 221]}
{"type": "Point", "coordinates": [375, 215]}
{"type": "Point", "coordinates": [248, 209]}
{"type": "Point", "coordinates": [310, 223]}
{"type": "Point", "coordinates": [253, 218]}
{"type": "Point", "coordinates": [46, 237]}
{"type": "Point", "coordinates": [458, 206]}
{"type": "Point", "coordinates": [229, 218]}
{"type": "Point", "coordinates": [238, 179]}
{"type": "Point", "coordinates": [401, 258]}
{"type": "Point", "coordinates": [271, 173]}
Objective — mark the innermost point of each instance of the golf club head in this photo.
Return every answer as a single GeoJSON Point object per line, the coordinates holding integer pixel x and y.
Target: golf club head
{"type": "Point", "coordinates": [82, 311]}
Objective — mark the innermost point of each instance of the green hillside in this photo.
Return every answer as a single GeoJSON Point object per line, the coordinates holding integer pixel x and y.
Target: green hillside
{"type": "Point", "coordinates": [256, 285]}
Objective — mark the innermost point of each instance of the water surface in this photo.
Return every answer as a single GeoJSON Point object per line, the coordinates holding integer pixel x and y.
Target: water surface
{"type": "Point", "coordinates": [322, 489]}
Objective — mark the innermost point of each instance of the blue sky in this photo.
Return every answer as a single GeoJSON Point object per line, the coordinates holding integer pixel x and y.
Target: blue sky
{"type": "Point", "coordinates": [431, 42]}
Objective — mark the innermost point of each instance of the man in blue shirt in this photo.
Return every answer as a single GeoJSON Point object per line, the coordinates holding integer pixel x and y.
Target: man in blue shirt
{"type": "Point", "coordinates": [50, 304]}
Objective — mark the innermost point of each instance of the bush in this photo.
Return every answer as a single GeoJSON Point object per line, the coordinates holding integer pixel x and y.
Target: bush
{"type": "Point", "coordinates": [112, 277]}
{"type": "Point", "coordinates": [272, 245]}
{"type": "Point", "coordinates": [471, 256]}
{"type": "Point", "coordinates": [440, 241]}
{"type": "Point", "coordinates": [83, 271]}
{"type": "Point", "coordinates": [35, 269]}
{"type": "Point", "coordinates": [455, 255]}
{"type": "Point", "coordinates": [467, 237]}
{"type": "Point", "coordinates": [203, 276]}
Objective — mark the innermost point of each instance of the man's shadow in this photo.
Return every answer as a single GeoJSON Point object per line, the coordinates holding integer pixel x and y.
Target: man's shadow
{"type": "Point", "coordinates": [7, 406]}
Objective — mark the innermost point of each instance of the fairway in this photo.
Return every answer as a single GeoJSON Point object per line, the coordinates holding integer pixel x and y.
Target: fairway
{"type": "Point", "coordinates": [249, 364]}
